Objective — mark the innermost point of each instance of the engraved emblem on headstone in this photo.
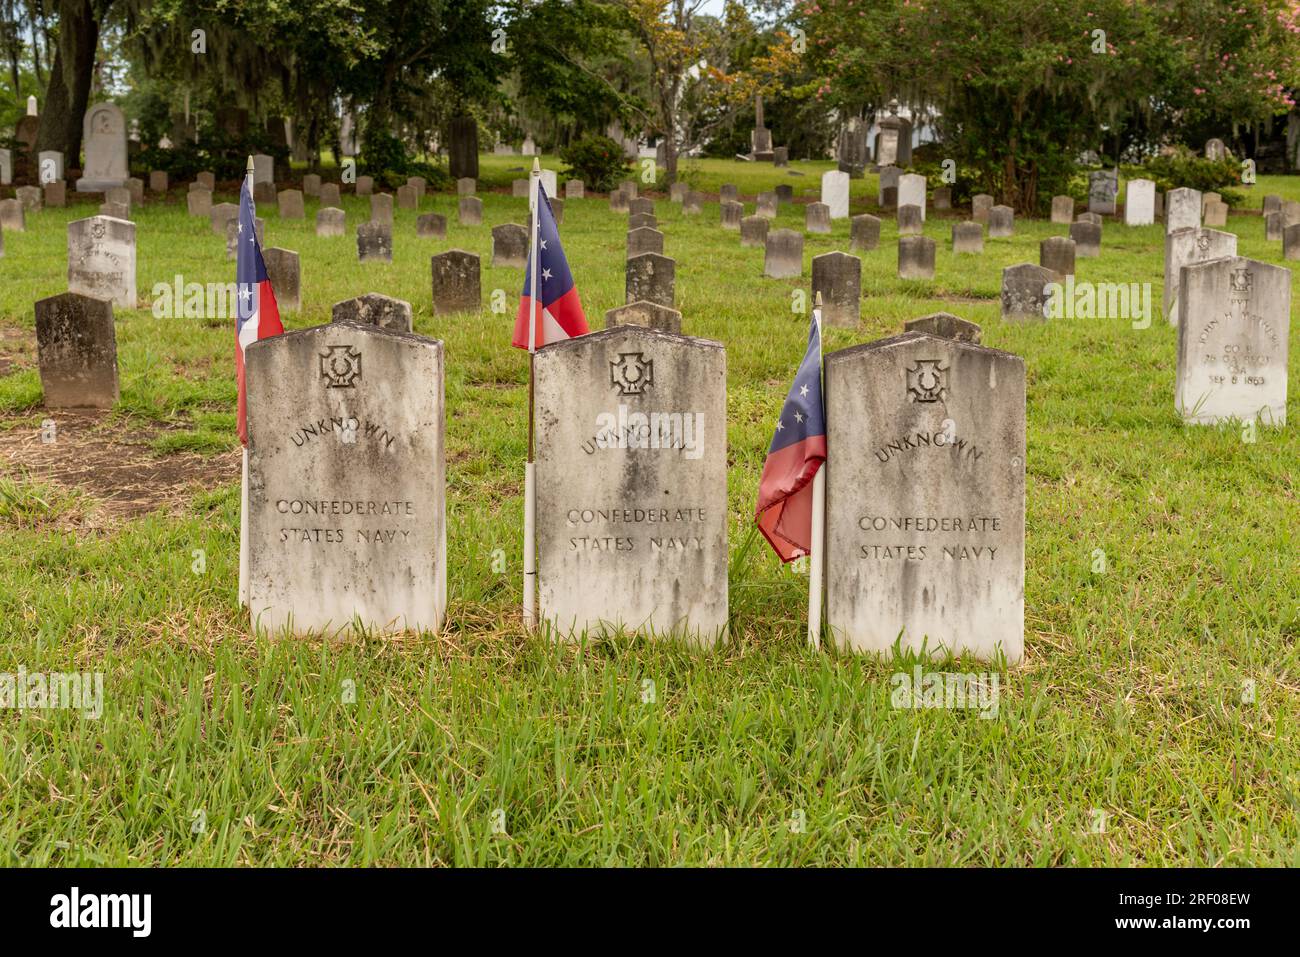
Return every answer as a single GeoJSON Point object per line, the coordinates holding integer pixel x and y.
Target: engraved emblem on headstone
{"type": "Point", "coordinates": [1242, 280]}
{"type": "Point", "coordinates": [926, 381]}
{"type": "Point", "coordinates": [340, 367]}
{"type": "Point", "coordinates": [1203, 242]}
{"type": "Point", "coordinates": [632, 373]}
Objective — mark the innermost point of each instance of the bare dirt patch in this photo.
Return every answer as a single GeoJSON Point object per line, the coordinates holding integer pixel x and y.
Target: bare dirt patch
{"type": "Point", "coordinates": [17, 348]}
{"type": "Point", "coordinates": [110, 460]}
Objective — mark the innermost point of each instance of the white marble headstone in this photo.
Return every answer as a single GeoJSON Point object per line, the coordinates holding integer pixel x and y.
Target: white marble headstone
{"type": "Point", "coordinates": [835, 193]}
{"type": "Point", "coordinates": [1184, 247]}
{"type": "Point", "coordinates": [925, 497]}
{"type": "Point", "coordinates": [101, 259]}
{"type": "Point", "coordinates": [346, 477]}
{"type": "Point", "coordinates": [632, 484]}
{"type": "Point", "coordinates": [1182, 209]}
{"type": "Point", "coordinates": [104, 136]}
{"type": "Point", "coordinates": [1139, 202]}
{"type": "Point", "coordinates": [1233, 331]}
{"type": "Point", "coordinates": [911, 192]}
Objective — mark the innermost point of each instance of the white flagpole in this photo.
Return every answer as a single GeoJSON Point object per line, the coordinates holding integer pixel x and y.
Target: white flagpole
{"type": "Point", "coordinates": [818, 556]}
{"type": "Point", "coordinates": [243, 493]}
{"type": "Point", "coordinates": [530, 477]}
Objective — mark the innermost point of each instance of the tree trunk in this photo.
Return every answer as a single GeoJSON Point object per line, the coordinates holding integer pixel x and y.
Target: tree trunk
{"type": "Point", "coordinates": [68, 93]}
{"type": "Point", "coordinates": [462, 147]}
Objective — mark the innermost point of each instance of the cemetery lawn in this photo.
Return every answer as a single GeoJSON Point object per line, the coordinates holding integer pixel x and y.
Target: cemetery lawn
{"type": "Point", "coordinates": [1154, 720]}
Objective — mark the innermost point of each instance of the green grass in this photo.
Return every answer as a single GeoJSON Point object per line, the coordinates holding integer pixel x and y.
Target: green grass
{"type": "Point", "coordinates": [1129, 703]}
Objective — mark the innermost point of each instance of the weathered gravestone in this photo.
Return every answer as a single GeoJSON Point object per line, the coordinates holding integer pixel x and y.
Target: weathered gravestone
{"type": "Point", "coordinates": [835, 193]}
{"type": "Point", "coordinates": [1057, 254]}
{"type": "Point", "coordinates": [783, 255]}
{"type": "Point", "coordinates": [101, 259]}
{"type": "Point", "coordinates": [638, 221]}
{"type": "Point", "coordinates": [1093, 218]}
{"type": "Point", "coordinates": [1087, 239]}
{"type": "Point", "coordinates": [135, 186]}
{"type": "Point", "coordinates": [557, 210]}
{"type": "Point", "coordinates": [910, 222]}
{"type": "Point", "coordinates": [693, 204]}
{"type": "Point", "coordinates": [837, 278]}
{"type": "Point", "coordinates": [651, 277]}
{"type": "Point", "coordinates": [30, 197]}
{"type": "Point", "coordinates": [618, 201]}
{"type": "Point", "coordinates": [781, 157]}
{"type": "Point", "coordinates": [419, 184]}
{"type": "Point", "coordinates": [644, 240]}
{"type": "Point", "coordinates": [629, 188]}
{"type": "Point", "coordinates": [911, 192]}
{"type": "Point", "coordinates": [285, 272]}
{"type": "Point", "coordinates": [311, 184]}
{"type": "Point", "coordinates": [264, 193]}
{"type": "Point", "coordinates": [1272, 204]}
{"type": "Point", "coordinates": [946, 326]}
{"type": "Point", "coordinates": [291, 204]}
{"type": "Point", "coordinates": [632, 484]}
{"type": "Point", "coordinates": [76, 348]}
{"type": "Point", "coordinates": [206, 179]}
{"type": "Point", "coordinates": [12, 217]}
{"type": "Point", "coordinates": [729, 193]}
{"type": "Point", "coordinates": [1216, 213]}
{"type": "Point", "coordinates": [635, 206]}
{"type": "Point", "coordinates": [980, 205]}
{"type": "Point", "coordinates": [1182, 209]}
{"type": "Point", "coordinates": [915, 257]}
{"type": "Point", "coordinates": [1184, 247]}
{"type": "Point", "coordinates": [967, 237]}
{"type": "Point", "coordinates": [677, 192]}
{"type": "Point", "coordinates": [469, 211]}
{"type": "Point", "coordinates": [375, 242]}
{"type": "Point", "coordinates": [1215, 150]}
{"type": "Point", "coordinates": [6, 167]}
{"type": "Point", "coordinates": [1103, 187]}
{"type": "Point", "coordinates": [346, 476]}
{"type": "Point", "coordinates": [1139, 202]}
{"type": "Point", "coordinates": [431, 226]}
{"type": "Point", "coordinates": [784, 193]}
{"type": "Point", "coordinates": [1207, 199]}
{"type": "Point", "coordinates": [407, 197]}
{"type": "Point", "coordinates": [365, 186]}
{"type": "Point", "coordinates": [330, 195]}
{"type": "Point", "coordinates": [887, 192]}
{"type": "Point", "coordinates": [456, 282]}
{"type": "Point", "coordinates": [1025, 292]}
{"type": "Point", "coordinates": [1063, 209]}
{"type": "Point", "coordinates": [331, 222]}
{"type": "Point", "coordinates": [374, 309]}
{"type": "Point", "coordinates": [466, 186]}
{"type": "Point", "coordinates": [233, 235]}
{"type": "Point", "coordinates": [381, 208]}
{"type": "Point", "coordinates": [765, 205]}
{"type": "Point", "coordinates": [56, 195]}
{"type": "Point", "coordinates": [753, 231]}
{"type": "Point", "coordinates": [1002, 222]}
{"type": "Point", "coordinates": [1272, 227]}
{"type": "Point", "coordinates": [519, 188]}
{"type": "Point", "coordinates": [864, 232]}
{"type": "Point", "coordinates": [942, 198]}
{"type": "Point", "coordinates": [510, 245]}
{"type": "Point", "coordinates": [925, 505]}
{"type": "Point", "coordinates": [1290, 213]}
{"type": "Point", "coordinates": [158, 181]}
{"type": "Point", "coordinates": [575, 189]}
{"type": "Point", "coordinates": [1291, 242]}
{"type": "Point", "coordinates": [817, 218]}
{"type": "Point", "coordinates": [115, 210]}
{"type": "Point", "coordinates": [648, 314]}
{"type": "Point", "coordinates": [221, 214]}
{"type": "Point", "coordinates": [1233, 333]}
{"type": "Point", "coordinates": [732, 213]}
{"type": "Point", "coordinates": [104, 136]}
{"type": "Point", "coordinates": [263, 168]}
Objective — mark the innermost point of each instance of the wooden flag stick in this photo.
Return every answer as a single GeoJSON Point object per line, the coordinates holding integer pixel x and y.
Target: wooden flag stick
{"type": "Point", "coordinates": [818, 556]}
{"type": "Point", "coordinates": [530, 479]}
{"type": "Point", "coordinates": [243, 493]}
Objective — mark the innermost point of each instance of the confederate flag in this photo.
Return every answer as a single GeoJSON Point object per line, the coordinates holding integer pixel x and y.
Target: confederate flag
{"type": "Point", "coordinates": [785, 492]}
{"type": "Point", "coordinates": [258, 314]}
{"type": "Point", "coordinates": [559, 312]}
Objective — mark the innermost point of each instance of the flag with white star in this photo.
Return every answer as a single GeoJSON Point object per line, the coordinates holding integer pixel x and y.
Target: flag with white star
{"type": "Point", "coordinates": [258, 315]}
{"type": "Point", "coordinates": [798, 449]}
{"type": "Point", "coordinates": [559, 311]}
